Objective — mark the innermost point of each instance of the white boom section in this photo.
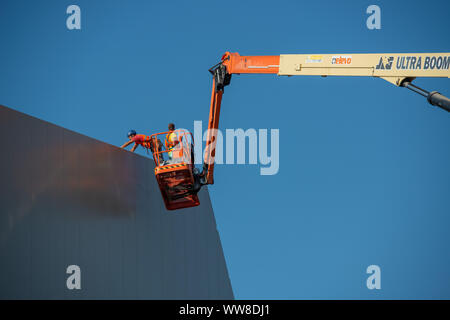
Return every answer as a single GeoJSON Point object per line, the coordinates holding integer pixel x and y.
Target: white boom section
{"type": "Point", "coordinates": [394, 68]}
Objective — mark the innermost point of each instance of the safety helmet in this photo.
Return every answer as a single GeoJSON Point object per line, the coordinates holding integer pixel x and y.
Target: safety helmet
{"type": "Point", "coordinates": [131, 133]}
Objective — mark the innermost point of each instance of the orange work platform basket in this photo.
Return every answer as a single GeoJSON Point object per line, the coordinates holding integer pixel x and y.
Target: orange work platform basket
{"type": "Point", "coordinates": [174, 169]}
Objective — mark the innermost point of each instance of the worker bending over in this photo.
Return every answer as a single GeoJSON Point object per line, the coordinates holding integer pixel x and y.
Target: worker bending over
{"type": "Point", "coordinates": [138, 140]}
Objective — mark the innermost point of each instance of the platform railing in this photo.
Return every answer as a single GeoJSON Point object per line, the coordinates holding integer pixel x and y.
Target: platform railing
{"type": "Point", "coordinates": [181, 152]}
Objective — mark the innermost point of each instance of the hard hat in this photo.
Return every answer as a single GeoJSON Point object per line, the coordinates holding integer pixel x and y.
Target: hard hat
{"type": "Point", "coordinates": [131, 133]}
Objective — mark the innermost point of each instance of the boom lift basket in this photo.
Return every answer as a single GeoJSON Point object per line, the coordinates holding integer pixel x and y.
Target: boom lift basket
{"type": "Point", "coordinates": [174, 169]}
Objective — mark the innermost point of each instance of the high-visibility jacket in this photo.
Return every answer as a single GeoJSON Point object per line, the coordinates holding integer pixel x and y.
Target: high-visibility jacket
{"type": "Point", "coordinates": [171, 140]}
{"type": "Point", "coordinates": [142, 140]}
{"type": "Point", "coordinates": [171, 143]}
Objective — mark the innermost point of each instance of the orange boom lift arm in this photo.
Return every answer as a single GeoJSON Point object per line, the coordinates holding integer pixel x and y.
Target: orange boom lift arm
{"type": "Point", "coordinates": [232, 63]}
{"type": "Point", "coordinates": [398, 69]}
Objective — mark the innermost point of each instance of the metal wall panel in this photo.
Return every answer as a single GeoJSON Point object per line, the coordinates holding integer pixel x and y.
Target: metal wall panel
{"type": "Point", "coordinates": [67, 199]}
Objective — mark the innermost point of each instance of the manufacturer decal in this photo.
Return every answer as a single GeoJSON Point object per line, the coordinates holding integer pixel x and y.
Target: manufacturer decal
{"type": "Point", "coordinates": [314, 59]}
{"type": "Point", "coordinates": [346, 60]}
{"type": "Point", "coordinates": [414, 63]}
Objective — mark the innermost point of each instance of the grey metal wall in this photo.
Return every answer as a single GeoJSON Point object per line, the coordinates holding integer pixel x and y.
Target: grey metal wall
{"type": "Point", "coordinates": [67, 199]}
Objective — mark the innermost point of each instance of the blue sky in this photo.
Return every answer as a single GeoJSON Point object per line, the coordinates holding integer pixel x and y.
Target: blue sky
{"type": "Point", "coordinates": [364, 176]}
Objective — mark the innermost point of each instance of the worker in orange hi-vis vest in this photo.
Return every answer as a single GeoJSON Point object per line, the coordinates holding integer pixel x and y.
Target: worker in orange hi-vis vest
{"type": "Point", "coordinates": [171, 141]}
{"type": "Point", "coordinates": [138, 140]}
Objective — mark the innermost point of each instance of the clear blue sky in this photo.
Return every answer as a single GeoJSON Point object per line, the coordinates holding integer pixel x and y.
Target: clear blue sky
{"type": "Point", "coordinates": [364, 166]}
